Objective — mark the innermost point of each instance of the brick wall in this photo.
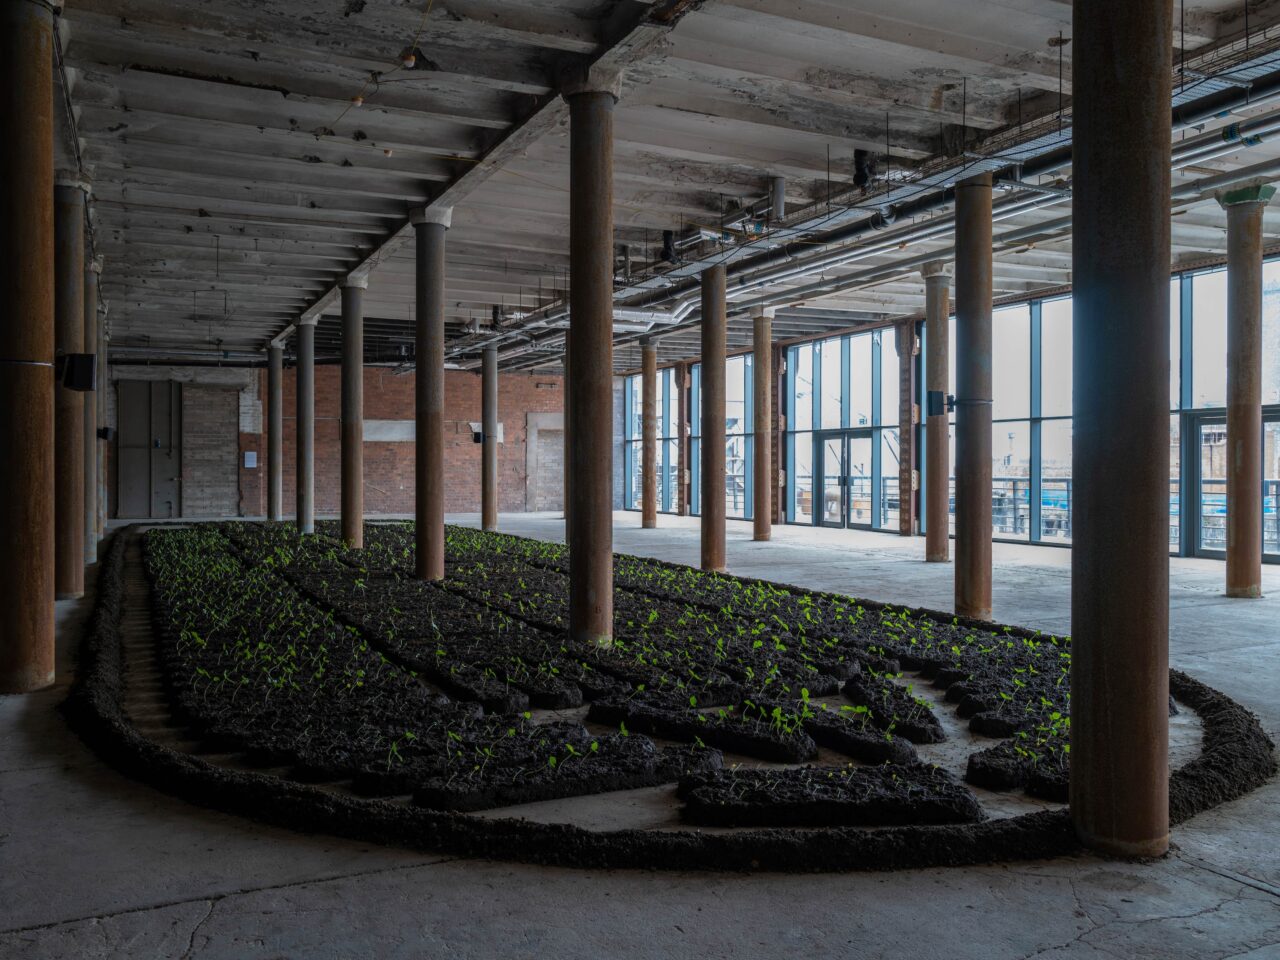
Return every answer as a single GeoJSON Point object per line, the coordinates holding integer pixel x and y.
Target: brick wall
{"type": "Point", "coordinates": [389, 466]}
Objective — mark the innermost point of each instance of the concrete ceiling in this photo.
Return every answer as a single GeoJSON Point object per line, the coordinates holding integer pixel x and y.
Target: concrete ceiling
{"type": "Point", "coordinates": [235, 181]}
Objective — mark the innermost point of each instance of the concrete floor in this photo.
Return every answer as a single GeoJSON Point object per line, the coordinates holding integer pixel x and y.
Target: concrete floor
{"type": "Point", "coordinates": [94, 865]}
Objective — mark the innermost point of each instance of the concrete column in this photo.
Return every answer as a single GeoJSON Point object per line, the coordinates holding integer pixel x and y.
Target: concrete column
{"type": "Point", "coordinates": [104, 387]}
{"type": "Point", "coordinates": [762, 477]}
{"type": "Point", "coordinates": [306, 426]}
{"type": "Point", "coordinates": [973, 397]}
{"type": "Point", "coordinates": [353, 411]}
{"type": "Point", "coordinates": [489, 452]}
{"type": "Point", "coordinates": [649, 433]}
{"type": "Point", "coordinates": [1244, 208]}
{"type": "Point", "coordinates": [430, 227]}
{"type": "Point", "coordinates": [905, 343]}
{"type": "Point", "coordinates": [275, 431]}
{"type": "Point", "coordinates": [567, 439]}
{"type": "Point", "coordinates": [26, 347]}
{"type": "Point", "coordinates": [682, 438]}
{"type": "Point", "coordinates": [1120, 523]}
{"type": "Point", "coordinates": [937, 455]}
{"type": "Point", "coordinates": [589, 403]}
{"type": "Point", "coordinates": [93, 266]}
{"type": "Point", "coordinates": [68, 455]}
{"type": "Point", "coordinates": [713, 413]}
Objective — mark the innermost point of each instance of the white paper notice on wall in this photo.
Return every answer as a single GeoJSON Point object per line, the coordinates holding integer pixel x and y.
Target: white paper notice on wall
{"type": "Point", "coordinates": [251, 459]}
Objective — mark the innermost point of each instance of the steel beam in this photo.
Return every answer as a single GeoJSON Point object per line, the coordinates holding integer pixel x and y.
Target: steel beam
{"type": "Point", "coordinates": [1120, 450]}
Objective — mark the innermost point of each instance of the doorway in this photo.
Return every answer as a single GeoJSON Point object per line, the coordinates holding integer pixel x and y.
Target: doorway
{"type": "Point", "coordinates": [849, 491]}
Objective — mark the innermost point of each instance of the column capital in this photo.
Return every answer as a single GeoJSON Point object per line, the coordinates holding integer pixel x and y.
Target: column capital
{"type": "Point", "coordinates": [308, 321]}
{"type": "Point", "coordinates": [74, 179]}
{"type": "Point", "coordinates": [766, 313]}
{"type": "Point", "coordinates": [355, 282]}
{"type": "Point", "coordinates": [936, 269]}
{"type": "Point", "coordinates": [649, 343]}
{"type": "Point", "coordinates": [592, 78]}
{"type": "Point", "coordinates": [94, 265]}
{"type": "Point", "coordinates": [1245, 193]}
{"type": "Point", "coordinates": [420, 216]}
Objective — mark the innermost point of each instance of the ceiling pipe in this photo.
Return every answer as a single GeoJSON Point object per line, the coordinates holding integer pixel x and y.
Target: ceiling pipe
{"type": "Point", "coordinates": [788, 260]}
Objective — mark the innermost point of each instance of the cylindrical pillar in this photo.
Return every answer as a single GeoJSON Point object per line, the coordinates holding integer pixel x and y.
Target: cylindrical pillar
{"type": "Point", "coordinates": [762, 445]}
{"type": "Point", "coordinates": [353, 411]}
{"type": "Point", "coordinates": [937, 510]}
{"type": "Point", "coordinates": [712, 416]}
{"type": "Point", "coordinates": [306, 426]}
{"type": "Point", "coordinates": [590, 400]}
{"type": "Point", "coordinates": [648, 433]}
{"type": "Point", "coordinates": [26, 347]}
{"type": "Point", "coordinates": [68, 455]}
{"type": "Point", "coordinates": [430, 225]}
{"type": "Point", "coordinates": [489, 451]}
{"type": "Point", "coordinates": [567, 438]}
{"type": "Point", "coordinates": [1120, 450]}
{"type": "Point", "coordinates": [275, 431]}
{"type": "Point", "coordinates": [92, 268]}
{"type": "Point", "coordinates": [1244, 208]}
{"type": "Point", "coordinates": [973, 397]}
{"type": "Point", "coordinates": [104, 388]}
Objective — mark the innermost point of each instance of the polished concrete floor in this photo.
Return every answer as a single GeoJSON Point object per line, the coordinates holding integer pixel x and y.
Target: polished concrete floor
{"type": "Point", "coordinates": [94, 865]}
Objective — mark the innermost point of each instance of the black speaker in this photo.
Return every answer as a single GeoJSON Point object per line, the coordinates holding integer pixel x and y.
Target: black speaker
{"type": "Point", "coordinates": [78, 371]}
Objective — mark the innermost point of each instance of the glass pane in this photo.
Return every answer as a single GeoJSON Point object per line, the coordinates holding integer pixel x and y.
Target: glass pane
{"type": "Point", "coordinates": [1175, 472]}
{"type": "Point", "coordinates": [1209, 339]}
{"type": "Point", "coordinates": [1271, 332]}
{"type": "Point", "coordinates": [860, 380]}
{"type": "Point", "coordinates": [1011, 480]}
{"type": "Point", "coordinates": [735, 475]}
{"type": "Point", "coordinates": [859, 479]}
{"type": "Point", "coordinates": [1055, 480]}
{"type": "Point", "coordinates": [635, 493]}
{"type": "Point", "coordinates": [951, 452]}
{"type": "Point", "coordinates": [735, 397]}
{"type": "Point", "coordinates": [695, 477]}
{"type": "Point", "coordinates": [888, 377]}
{"type": "Point", "coordinates": [802, 387]}
{"type": "Point", "coordinates": [1213, 486]}
{"type": "Point", "coordinates": [1055, 358]}
{"type": "Point", "coordinates": [695, 402]}
{"type": "Point", "coordinates": [668, 403]}
{"type": "Point", "coordinates": [1175, 343]}
{"type": "Point", "coordinates": [1011, 363]}
{"type": "Point", "coordinates": [1271, 487]}
{"type": "Point", "coordinates": [635, 426]}
{"type": "Point", "coordinates": [802, 481]}
{"type": "Point", "coordinates": [887, 515]}
{"type": "Point", "coordinates": [669, 482]}
{"type": "Point", "coordinates": [951, 355]}
{"type": "Point", "coordinates": [832, 453]}
{"type": "Point", "coordinates": [829, 351]}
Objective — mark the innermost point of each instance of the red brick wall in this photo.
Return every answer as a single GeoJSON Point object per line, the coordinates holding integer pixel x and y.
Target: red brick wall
{"type": "Point", "coordinates": [388, 467]}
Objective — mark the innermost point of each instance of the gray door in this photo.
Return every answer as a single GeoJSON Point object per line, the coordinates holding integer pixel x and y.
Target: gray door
{"type": "Point", "coordinates": [148, 449]}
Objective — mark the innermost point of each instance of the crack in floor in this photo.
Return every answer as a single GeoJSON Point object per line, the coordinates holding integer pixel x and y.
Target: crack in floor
{"type": "Point", "coordinates": [243, 891]}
